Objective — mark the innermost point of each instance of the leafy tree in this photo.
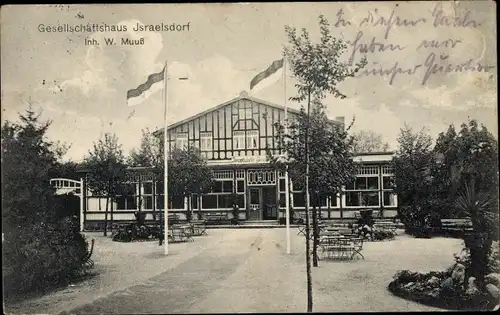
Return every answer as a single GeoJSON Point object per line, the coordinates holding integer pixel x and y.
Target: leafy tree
{"type": "Point", "coordinates": [106, 171]}
{"type": "Point", "coordinates": [469, 171]}
{"type": "Point", "coordinates": [369, 141]}
{"type": "Point", "coordinates": [68, 169]}
{"type": "Point", "coordinates": [150, 152]}
{"type": "Point", "coordinates": [413, 180]}
{"type": "Point", "coordinates": [318, 69]}
{"type": "Point", "coordinates": [39, 249]}
{"type": "Point", "coordinates": [331, 164]}
{"type": "Point", "coordinates": [188, 174]}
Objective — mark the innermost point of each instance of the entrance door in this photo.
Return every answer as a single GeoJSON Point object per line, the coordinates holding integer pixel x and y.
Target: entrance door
{"type": "Point", "coordinates": [255, 204]}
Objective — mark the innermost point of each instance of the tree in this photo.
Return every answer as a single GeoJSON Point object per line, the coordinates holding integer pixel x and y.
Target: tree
{"type": "Point", "coordinates": [150, 152]}
{"type": "Point", "coordinates": [331, 163]}
{"type": "Point", "coordinates": [318, 69]}
{"type": "Point", "coordinates": [39, 249]}
{"type": "Point", "coordinates": [188, 172]}
{"type": "Point", "coordinates": [413, 180]}
{"type": "Point", "coordinates": [107, 171]}
{"type": "Point", "coordinates": [188, 175]}
{"type": "Point", "coordinates": [366, 141]}
{"type": "Point", "coordinates": [469, 170]}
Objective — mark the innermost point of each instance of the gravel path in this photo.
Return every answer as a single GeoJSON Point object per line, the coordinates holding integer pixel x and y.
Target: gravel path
{"type": "Point", "coordinates": [241, 270]}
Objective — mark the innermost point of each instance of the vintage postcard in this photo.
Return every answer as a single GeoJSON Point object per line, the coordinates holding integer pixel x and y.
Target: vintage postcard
{"type": "Point", "coordinates": [249, 157]}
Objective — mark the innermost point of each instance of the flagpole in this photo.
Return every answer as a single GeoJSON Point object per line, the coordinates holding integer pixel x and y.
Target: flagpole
{"type": "Point", "coordinates": [165, 159]}
{"type": "Point", "coordinates": [287, 194]}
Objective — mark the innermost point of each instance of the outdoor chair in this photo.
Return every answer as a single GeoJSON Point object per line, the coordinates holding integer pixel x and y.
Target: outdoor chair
{"type": "Point", "coordinates": [358, 247]}
{"type": "Point", "coordinates": [89, 263]}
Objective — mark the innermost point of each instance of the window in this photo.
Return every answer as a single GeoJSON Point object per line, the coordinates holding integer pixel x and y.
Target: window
{"type": "Point", "coordinates": [206, 141]}
{"type": "Point", "coordinates": [128, 198]}
{"type": "Point", "coordinates": [181, 141]}
{"type": "Point", "coordinates": [239, 139]}
{"type": "Point", "coordinates": [240, 186]}
{"type": "Point", "coordinates": [364, 190]}
{"type": "Point", "coordinates": [147, 195]}
{"type": "Point", "coordinates": [299, 200]}
{"type": "Point", "coordinates": [194, 202]}
{"type": "Point", "coordinates": [209, 201]}
{"type": "Point", "coordinates": [389, 198]}
{"type": "Point", "coordinates": [252, 139]}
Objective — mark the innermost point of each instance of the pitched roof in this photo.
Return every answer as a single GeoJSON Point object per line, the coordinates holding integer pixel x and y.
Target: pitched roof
{"type": "Point", "coordinates": [242, 96]}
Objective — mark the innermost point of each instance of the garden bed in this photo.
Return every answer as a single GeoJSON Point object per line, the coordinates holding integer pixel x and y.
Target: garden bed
{"type": "Point", "coordinates": [446, 289]}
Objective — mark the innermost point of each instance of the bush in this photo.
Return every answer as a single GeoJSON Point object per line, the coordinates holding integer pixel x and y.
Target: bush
{"type": "Point", "coordinates": [43, 246]}
{"type": "Point", "coordinates": [494, 258]}
{"type": "Point", "coordinates": [135, 232]}
{"type": "Point", "coordinates": [380, 235]}
{"type": "Point", "coordinates": [42, 256]}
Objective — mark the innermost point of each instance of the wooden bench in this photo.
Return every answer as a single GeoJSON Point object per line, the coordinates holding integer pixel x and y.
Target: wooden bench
{"type": "Point", "coordinates": [456, 225]}
{"type": "Point", "coordinates": [215, 218]}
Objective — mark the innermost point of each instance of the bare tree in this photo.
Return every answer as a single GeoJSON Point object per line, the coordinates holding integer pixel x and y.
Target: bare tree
{"type": "Point", "coordinates": [366, 141]}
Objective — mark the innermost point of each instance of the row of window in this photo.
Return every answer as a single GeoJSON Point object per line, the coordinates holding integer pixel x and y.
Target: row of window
{"type": "Point", "coordinates": [241, 140]}
{"type": "Point", "coordinates": [224, 201]}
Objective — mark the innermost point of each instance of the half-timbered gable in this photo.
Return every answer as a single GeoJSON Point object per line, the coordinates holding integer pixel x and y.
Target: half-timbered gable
{"type": "Point", "coordinates": [244, 126]}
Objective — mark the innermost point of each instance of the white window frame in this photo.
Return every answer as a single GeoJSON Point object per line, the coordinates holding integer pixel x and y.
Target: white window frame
{"type": "Point", "coordinates": [365, 171]}
{"type": "Point", "coordinates": [252, 138]}
{"type": "Point", "coordinates": [206, 141]}
{"type": "Point", "coordinates": [181, 141]}
{"type": "Point", "coordinates": [239, 139]}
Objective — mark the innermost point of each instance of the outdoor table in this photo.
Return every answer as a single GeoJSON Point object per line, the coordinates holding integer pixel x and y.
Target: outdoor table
{"type": "Point", "coordinates": [181, 233]}
{"type": "Point", "coordinates": [340, 246]}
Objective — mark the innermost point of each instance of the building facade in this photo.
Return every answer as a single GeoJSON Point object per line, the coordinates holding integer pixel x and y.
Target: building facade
{"type": "Point", "coordinates": [234, 137]}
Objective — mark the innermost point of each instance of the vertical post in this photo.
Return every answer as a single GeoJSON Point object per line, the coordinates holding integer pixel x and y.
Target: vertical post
{"type": "Point", "coordinates": [82, 213]}
{"type": "Point", "coordinates": [165, 160]}
{"type": "Point", "coordinates": [287, 192]}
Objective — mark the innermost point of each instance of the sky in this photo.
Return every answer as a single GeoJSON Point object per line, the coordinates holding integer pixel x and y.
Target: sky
{"type": "Point", "coordinates": [82, 88]}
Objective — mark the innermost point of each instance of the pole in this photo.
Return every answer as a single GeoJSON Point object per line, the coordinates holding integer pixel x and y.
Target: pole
{"type": "Point", "coordinates": [308, 227]}
{"type": "Point", "coordinates": [82, 213]}
{"type": "Point", "coordinates": [287, 192]}
{"type": "Point", "coordinates": [165, 160]}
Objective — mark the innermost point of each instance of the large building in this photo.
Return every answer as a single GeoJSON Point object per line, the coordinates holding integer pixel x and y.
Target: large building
{"type": "Point", "coordinates": [233, 138]}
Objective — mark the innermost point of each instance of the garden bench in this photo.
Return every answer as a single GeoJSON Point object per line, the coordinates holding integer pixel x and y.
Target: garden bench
{"type": "Point", "coordinates": [456, 225]}
{"type": "Point", "coordinates": [215, 218]}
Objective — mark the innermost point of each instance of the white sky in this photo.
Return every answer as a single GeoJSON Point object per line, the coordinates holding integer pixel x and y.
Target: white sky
{"type": "Point", "coordinates": [83, 88]}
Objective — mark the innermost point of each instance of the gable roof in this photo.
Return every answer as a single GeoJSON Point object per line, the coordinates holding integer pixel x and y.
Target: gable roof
{"type": "Point", "coordinates": [242, 96]}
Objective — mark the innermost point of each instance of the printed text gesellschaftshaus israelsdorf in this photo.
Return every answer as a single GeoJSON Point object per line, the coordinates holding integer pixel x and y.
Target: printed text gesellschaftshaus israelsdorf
{"type": "Point", "coordinates": [104, 27]}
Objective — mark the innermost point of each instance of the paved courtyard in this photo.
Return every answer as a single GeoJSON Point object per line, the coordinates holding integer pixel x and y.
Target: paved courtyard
{"type": "Point", "coordinates": [241, 270]}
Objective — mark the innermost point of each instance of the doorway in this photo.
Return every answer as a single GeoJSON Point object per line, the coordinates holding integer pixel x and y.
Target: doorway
{"type": "Point", "coordinates": [263, 203]}
{"type": "Point", "coordinates": [255, 203]}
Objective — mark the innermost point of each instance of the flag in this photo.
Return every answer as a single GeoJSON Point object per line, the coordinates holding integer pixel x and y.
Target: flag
{"type": "Point", "coordinates": [145, 90]}
{"type": "Point", "coordinates": [266, 76]}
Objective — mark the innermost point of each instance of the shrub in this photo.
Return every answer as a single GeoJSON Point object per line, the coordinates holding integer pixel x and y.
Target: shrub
{"type": "Point", "coordinates": [135, 232]}
{"type": "Point", "coordinates": [44, 256]}
{"type": "Point", "coordinates": [380, 235]}
{"type": "Point", "coordinates": [42, 247]}
{"type": "Point", "coordinates": [494, 258]}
